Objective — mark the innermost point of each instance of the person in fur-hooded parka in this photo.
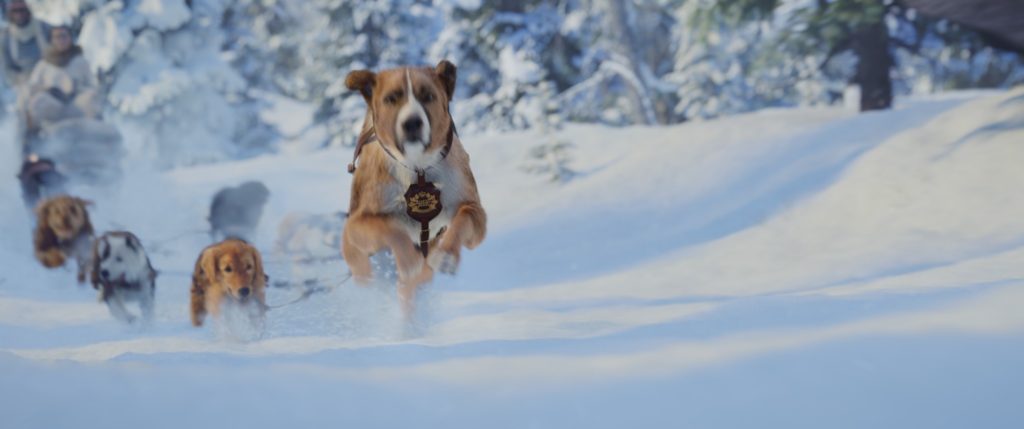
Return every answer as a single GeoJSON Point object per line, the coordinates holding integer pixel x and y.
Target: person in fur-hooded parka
{"type": "Point", "coordinates": [62, 86]}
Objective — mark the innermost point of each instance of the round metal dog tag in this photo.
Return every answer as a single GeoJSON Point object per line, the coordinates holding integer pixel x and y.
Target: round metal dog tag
{"type": "Point", "coordinates": [423, 201]}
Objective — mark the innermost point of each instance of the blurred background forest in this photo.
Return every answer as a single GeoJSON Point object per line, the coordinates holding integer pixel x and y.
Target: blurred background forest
{"type": "Point", "coordinates": [191, 77]}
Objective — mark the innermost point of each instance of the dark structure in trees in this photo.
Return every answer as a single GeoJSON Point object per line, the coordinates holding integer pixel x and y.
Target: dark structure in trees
{"type": "Point", "coordinates": [1002, 20]}
{"type": "Point", "coordinates": [874, 30]}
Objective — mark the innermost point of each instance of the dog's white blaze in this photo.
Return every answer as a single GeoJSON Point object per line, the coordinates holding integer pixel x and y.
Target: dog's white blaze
{"type": "Point", "coordinates": [414, 153]}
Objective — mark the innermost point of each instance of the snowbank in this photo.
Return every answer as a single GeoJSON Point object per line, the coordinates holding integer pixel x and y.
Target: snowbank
{"type": "Point", "coordinates": [786, 268]}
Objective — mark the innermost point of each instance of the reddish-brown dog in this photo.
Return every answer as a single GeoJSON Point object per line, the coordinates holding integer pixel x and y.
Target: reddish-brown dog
{"type": "Point", "coordinates": [63, 231]}
{"type": "Point", "coordinates": [414, 192]}
{"type": "Point", "coordinates": [229, 270]}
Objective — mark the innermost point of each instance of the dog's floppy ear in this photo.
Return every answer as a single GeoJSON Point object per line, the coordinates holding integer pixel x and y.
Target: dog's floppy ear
{"type": "Point", "coordinates": [446, 71]}
{"type": "Point", "coordinates": [206, 266]}
{"type": "Point", "coordinates": [362, 81]}
{"type": "Point", "coordinates": [200, 282]}
{"type": "Point", "coordinates": [259, 278]}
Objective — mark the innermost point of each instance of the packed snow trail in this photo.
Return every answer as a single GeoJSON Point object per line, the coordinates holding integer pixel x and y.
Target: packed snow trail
{"type": "Point", "coordinates": [792, 268]}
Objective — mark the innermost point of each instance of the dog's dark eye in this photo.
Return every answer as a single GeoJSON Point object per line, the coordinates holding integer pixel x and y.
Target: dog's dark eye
{"type": "Point", "coordinates": [248, 267]}
{"type": "Point", "coordinates": [227, 269]}
{"type": "Point", "coordinates": [428, 97]}
{"type": "Point", "coordinates": [393, 97]}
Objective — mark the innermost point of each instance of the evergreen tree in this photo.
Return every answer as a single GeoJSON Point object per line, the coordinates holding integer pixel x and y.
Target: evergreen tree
{"type": "Point", "coordinates": [832, 27]}
{"type": "Point", "coordinates": [263, 39]}
{"type": "Point", "coordinates": [874, 32]}
{"type": "Point", "coordinates": [626, 59]}
{"type": "Point", "coordinates": [171, 91]}
{"type": "Point", "coordinates": [196, 69]}
{"type": "Point", "coordinates": [507, 53]}
{"type": "Point", "coordinates": [726, 65]}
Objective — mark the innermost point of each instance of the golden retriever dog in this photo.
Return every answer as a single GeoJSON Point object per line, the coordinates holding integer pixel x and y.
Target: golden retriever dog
{"type": "Point", "coordinates": [231, 270]}
{"type": "Point", "coordinates": [413, 191]}
{"type": "Point", "coordinates": [63, 231]}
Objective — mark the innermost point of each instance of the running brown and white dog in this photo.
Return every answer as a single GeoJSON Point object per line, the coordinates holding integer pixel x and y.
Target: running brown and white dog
{"type": "Point", "coordinates": [63, 231]}
{"type": "Point", "coordinates": [229, 271]}
{"type": "Point", "coordinates": [121, 272]}
{"type": "Point", "coordinates": [414, 192]}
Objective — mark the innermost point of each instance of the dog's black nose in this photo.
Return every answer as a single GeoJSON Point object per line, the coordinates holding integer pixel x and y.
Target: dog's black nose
{"type": "Point", "coordinates": [412, 127]}
{"type": "Point", "coordinates": [105, 274]}
{"type": "Point", "coordinates": [244, 292]}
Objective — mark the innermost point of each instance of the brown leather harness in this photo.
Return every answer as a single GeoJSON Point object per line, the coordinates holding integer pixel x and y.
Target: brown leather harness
{"type": "Point", "coordinates": [422, 199]}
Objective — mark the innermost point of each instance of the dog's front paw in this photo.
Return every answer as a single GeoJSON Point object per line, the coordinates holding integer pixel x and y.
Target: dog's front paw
{"type": "Point", "coordinates": [51, 258]}
{"type": "Point", "coordinates": [443, 262]}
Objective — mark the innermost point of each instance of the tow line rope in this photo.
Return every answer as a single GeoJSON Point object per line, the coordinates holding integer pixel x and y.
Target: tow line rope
{"type": "Point", "coordinates": [312, 288]}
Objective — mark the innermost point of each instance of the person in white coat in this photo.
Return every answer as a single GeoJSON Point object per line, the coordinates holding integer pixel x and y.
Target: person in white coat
{"type": "Point", "coordinates": [22, 43]}
{"type": "Point", "coordinates": [62, 86]}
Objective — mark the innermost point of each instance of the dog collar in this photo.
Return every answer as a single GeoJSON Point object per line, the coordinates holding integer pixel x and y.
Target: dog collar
{"type": "Point", "coordinates": [371, 136]}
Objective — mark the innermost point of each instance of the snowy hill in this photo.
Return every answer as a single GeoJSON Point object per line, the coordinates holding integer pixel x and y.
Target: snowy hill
{"type": "Point", "coordinates": [786, 268]}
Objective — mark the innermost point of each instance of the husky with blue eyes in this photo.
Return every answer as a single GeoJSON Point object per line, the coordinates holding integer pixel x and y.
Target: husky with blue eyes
{"type": "Point", "coordinates": [413, 191]}
{"type": "Point", "coordinates": [121, 272]}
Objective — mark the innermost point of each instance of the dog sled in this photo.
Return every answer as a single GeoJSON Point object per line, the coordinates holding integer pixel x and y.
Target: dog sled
{"type": "Point", "coordinates": [77, 151]}
{"type": "Point", "coordinates": [85, 150]}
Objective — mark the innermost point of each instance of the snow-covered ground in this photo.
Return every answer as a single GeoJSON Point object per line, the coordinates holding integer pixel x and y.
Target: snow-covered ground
{"type": "Point", "coordinates": [787, 268]}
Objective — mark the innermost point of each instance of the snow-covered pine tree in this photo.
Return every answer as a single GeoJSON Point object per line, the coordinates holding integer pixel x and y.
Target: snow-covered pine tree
{"type": "Point", "coordinates": [172, 92]}
{"type": "Point", "coordinates": [552, 157]}
{"type": "Point", "coordinates": [506, 51]}
{"type": "Point", "coordinates": [864, 42]}
{"type": "Point", "coordinates": [263, 39]}
{"type": "Point", "coordinates": [825, 30]}
{"type": "Point", "coordinates": [181, 72]}
{"type": "Point", "coordinates": [625, 58]}
{"type": "Point", "coordinates": [939, 55]}
{"type": "Point", "coordinates": [725, 65]}
{"type": "Point", "coordinates": [325, 39]}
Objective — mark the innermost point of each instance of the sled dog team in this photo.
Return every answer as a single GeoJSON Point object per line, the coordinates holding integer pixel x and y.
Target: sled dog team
{"type": "Point", "coordinates": [413, 193]}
